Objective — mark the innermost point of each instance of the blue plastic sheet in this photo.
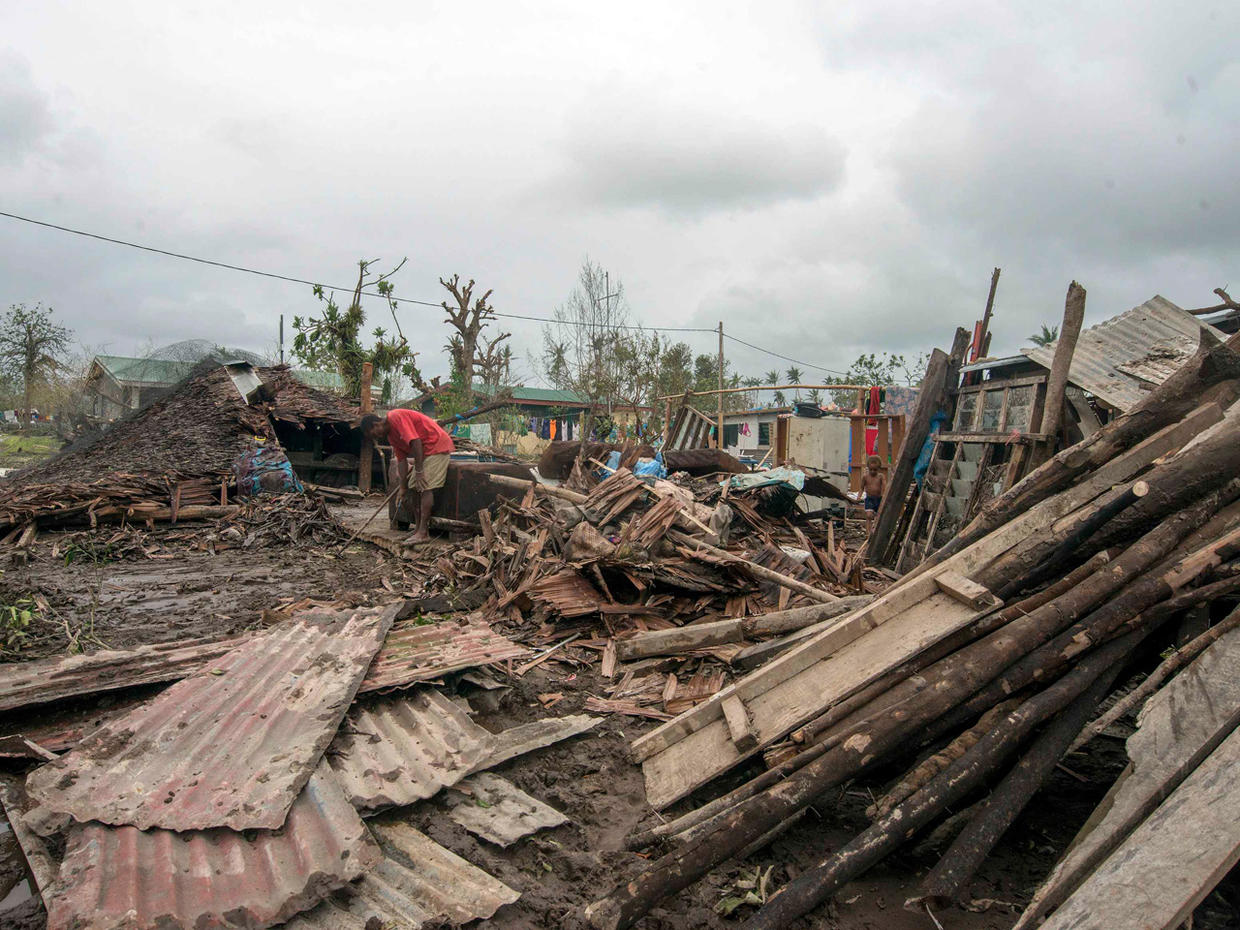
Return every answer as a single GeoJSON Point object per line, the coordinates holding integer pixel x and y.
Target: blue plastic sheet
{"type": "Point", "coordinates": [264, 468]}
{"type": "Point", "coordinates": [923, 459]}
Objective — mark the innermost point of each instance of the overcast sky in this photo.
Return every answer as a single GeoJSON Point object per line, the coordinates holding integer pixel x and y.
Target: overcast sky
{"type": "Point", "coordinates": [826, 179]}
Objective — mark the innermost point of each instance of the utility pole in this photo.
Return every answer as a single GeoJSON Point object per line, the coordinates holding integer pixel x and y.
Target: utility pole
{"type": "Point", "coordinates": [281, 338]}
{"type": "Point", "coordinates": [719, 437]}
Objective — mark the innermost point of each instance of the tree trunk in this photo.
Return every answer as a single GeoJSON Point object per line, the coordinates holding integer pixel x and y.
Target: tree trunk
{"type": "Point", "coordinates": [1057, 381]}
{"type": "Point", "coordinates": [1089, 681]}
{"type": "Point", "coordinates": [997, 812]}
{"type": "Point", "coordinates": [892, 719]}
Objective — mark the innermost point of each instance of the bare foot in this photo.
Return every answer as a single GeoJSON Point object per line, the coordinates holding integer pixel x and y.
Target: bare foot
{"type": "Point", "coordinates": [418, 539]}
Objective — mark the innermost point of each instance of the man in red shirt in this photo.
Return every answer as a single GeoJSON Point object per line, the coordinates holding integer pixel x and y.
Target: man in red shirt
{"type": "Point", "coordinates": [414, 435]}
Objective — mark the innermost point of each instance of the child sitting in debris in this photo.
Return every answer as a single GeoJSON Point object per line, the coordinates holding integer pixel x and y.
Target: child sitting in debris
{"type": "Point", "coordinates": [873, 483]}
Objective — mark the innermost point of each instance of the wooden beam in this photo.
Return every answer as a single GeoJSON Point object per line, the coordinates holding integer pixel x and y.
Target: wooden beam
{"type": "Point", "coordinates": [1057, 381]}
{"type": "Point", "coordinates": [965, 590]}
{"type": "Point", "coordinates": [1158, 876]}
{"type": "Point", "coordinates": [740, 727]}
{"type": "Point", "coordinates": [1169, 744]}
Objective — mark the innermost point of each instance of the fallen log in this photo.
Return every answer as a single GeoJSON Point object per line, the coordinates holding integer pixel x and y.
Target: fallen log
{"type": "Point", "coordinates": [1172, 664]}
{"type": "Point", "coordinates": [1087, 683]}
{"type": "Point", "coordinates": [975, 842]}
{"type": "Point", "coordinates": [894, 717]}
{"type": "Point", "coordinates": [1169, 745]}
{"type": "Point", "coordinates": [739, 629]}
{"type": "Point", "coordinates": [704, 819]}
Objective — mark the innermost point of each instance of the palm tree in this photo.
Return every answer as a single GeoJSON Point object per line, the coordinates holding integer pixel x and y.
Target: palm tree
{"type": "Point", "coordinates": [794, 377]}
{"type": "Point", "coordinates": [1048, 335]}
{"type": "Point", "coordinates": [772, 379]}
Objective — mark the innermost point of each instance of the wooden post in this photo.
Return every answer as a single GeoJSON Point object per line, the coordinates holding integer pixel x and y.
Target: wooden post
{"type": "Point", "coordinates": [1057, 383]}
{"type": "Point", "coordinates": [719, 437]}
{"type": "Point", "coordinates": [929, 399]}
{"type": "Point", "coordinates": [366, 461]}
{"type": "Point", "coordinates": [667, 423]}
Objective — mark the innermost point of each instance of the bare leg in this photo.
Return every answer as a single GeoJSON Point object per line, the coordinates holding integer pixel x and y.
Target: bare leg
{"type": "Point", "coordinates": [869, 522]}
{"type": "Point", "coordinates": [422, 534]}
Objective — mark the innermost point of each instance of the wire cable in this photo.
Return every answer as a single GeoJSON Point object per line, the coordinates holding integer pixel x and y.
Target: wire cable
{"type": "Point", "coordinates": [403, 300]}
{"type": "Point", "coordinates": [786, 358]}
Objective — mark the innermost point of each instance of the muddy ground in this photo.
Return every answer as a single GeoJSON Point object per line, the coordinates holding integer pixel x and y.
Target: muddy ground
{"type": "Point", "coordinates": [137, 599]}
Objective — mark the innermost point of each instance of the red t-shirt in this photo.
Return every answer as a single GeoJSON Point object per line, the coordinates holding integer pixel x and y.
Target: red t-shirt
{"type": "Point", "coordinates": [408, 425]}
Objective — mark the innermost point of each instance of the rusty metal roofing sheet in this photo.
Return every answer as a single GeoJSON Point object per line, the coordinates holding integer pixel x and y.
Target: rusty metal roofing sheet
{"type": "Point", "coordinates": [412, 653]}
{"type": "Point", "coordinates": [422, 652]}
{"type": "Point", "coordinates": [497, 810]}
{"type": "Point", "coordinates": [122, 878]}
{"type": "Point", "coordinates": [418, 881]}
{"type": "Point", "coordinates": [233, 744]}
{"type": "Point", "coordinates": [45, 680]}
{"type": "Point", "coordinates": [397, 751]}
{"type": "Point", "coordinates": [1143, 346]}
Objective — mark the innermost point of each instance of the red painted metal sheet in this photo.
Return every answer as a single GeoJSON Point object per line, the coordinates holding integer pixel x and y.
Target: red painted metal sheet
{"type": "Point", "coordinates": [46, 680]}
{"type": "Point", "coordinates": [122, 878]}
{"type": "Point", "coordinates": [418, 882]}
{"type": "Point", "coordinates": [233, 744]}
{"type": "Point", "coordinates": [423, 652]}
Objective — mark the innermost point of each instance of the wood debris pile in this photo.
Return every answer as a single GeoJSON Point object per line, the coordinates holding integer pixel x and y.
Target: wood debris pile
{"type": "Point", "coordinates": [601, 573]}
{"type": "Point", "coordinates": [992, 656]}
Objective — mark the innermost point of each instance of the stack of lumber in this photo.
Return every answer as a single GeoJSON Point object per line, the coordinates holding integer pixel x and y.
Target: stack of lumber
{"type": "Point", "coordinates": [993, 656]}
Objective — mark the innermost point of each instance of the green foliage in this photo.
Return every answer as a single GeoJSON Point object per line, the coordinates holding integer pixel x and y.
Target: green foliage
{"type": "Point", "coordinates": [15, 619]}
{"type": "Point", "coordinates": [882, 368]}
{"type": "Point", "coordinates": [1044, 338]}
{"type": "Point", "coordinates": [31, 349]}
{"type": "Point", "coordinates": [332, 340]}
{"type": "Point", "coordinates": [89, 550]}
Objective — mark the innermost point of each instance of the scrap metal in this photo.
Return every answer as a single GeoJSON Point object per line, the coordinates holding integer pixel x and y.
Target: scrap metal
{"type": "Point", "coordinates": [45, 680]}
{"type": "Point", "coordinates": [498, 811]}
{"type": "Point", "coordinates": [1120, 358]}
{"type": "Point", "coordinates": [417, 881]}
{"type": "Point", "coordinates": [232, 745]}
{"type": "Point", "coordinates": [415, 652]}
{"type": "Point", "coordinates": [122, 877]}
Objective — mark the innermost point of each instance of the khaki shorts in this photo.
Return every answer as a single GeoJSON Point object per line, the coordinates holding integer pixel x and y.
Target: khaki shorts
{"type": "Point", "coordinates": [435, 467]}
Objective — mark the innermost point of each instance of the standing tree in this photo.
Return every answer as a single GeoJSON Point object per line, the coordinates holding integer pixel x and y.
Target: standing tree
{"type": "Point", "coordinates": [30, 349]}
{"type": "Point", "coordinates": [794, 377]}
{"type": "Point", "coordinates": [332, 342]}
{"type": "Point", "coordinates": [469, 351]}
{"type": "Point", "coordinates": [580, 349]}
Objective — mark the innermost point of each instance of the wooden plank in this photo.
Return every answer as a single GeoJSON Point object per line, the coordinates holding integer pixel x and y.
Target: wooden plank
{"type": "Point", "coordinates": [965, 590]}
{"type": "Point", "coordinates": [708, 752]}
{"type": "Point", "coordinates": [681, 639]}
{"type": "Point", "coordinates": [1170, 742]}
{"type": "Point", "coordinates": [366, 460]}
{"type": "Point", "coordinates": [1169, 864]}
{"type": "Point", "coordinates": [831, 640]}
{"type": "Point", "coordinates": [740, 727]}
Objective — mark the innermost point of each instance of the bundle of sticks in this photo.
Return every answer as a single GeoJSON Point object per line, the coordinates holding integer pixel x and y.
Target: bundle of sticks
{"type": "Point", "coordinates": [1089, 557]}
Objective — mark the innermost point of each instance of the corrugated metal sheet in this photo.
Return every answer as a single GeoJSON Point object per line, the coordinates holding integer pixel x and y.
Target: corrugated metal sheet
{"type": "Point", "coordinates": [1143, 346]}
{"type": "Point", "coordinates": [423, 652]}
{"type": "Point", "coordinates": [232, 745]}
{"type": "Point", "coordinates": [411, 653]}
{"type": "Point", "coordinates": [397, 751]}
{"type": "Point", "coordinates": [122, 877]}
{"type": "Point", "coordinates": [44, 680]}
{"type": "Point", "coordinates": [418, 881]}
{"type": "Point", "coordinates": [497, 810]}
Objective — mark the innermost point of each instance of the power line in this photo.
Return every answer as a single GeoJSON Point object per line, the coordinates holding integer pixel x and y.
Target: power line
{"type": "Point", "coordinates": [786, 358]}
{"type": "Point", "coordinates": [404, 300]}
